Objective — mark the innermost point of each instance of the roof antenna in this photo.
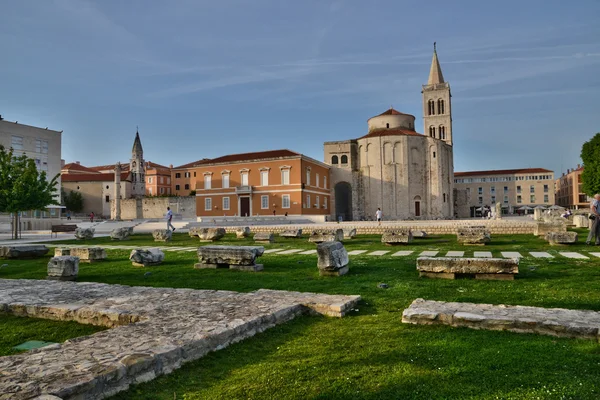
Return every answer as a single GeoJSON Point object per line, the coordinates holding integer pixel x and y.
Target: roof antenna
{"type": "Point", "coordinates": [434, 46]}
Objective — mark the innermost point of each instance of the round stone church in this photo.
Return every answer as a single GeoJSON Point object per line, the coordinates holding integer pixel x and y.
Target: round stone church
{"type": "Point", "coordinates": [407, 174]}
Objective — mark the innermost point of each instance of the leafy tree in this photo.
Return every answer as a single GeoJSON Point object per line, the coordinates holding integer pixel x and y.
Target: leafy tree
{"type": "Point", "coordinates": [73, 201]}
{"type": "Point", "coordinates": [192, 192]}
{"type": "Point", "coordinates": [23, 187]}
{"type": "Point", "coordinates": [590, 155]}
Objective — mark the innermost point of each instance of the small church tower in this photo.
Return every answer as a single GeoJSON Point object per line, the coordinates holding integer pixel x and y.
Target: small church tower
{"type": "Point", "coordinates": [136, 167]}
{"type": "Point", "coordinates": [437, 108]}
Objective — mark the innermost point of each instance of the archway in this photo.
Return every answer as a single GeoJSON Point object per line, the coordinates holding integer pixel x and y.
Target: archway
{"type": "Point", "coordinates": [343, 201]}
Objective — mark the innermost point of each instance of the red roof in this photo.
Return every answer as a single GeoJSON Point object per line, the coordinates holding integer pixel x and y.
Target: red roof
{"type": "Point", "coordinates": [110, 167]}
{"type": "Point", "coordinates": [503, 172]}
{"type": "Point", "coordinates": [92, 177]}
{"type": "Point", "coordinates": [391, 111]}
{"type": "Point", "coordinates": [391, 132]}
{"type": "Point", "coordinates": [230, 158]}
{"type": "Point", "coordinates": [77, 167]}
{"type": "Point", "coordinates": [155, 165]}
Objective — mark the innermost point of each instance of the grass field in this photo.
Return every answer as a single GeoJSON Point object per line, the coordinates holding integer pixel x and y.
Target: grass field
{"type": "Point", "coordinates": [370, 354]}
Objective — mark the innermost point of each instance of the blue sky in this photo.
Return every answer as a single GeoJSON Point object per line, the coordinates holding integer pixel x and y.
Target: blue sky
{"type": "Point", "coordinates": [208, 78]}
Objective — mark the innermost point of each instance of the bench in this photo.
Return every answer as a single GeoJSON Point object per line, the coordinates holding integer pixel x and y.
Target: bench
{"type": "Point", "coordinates": [62, 228]}
{"type": "Point", "coordinates": [478, 268]}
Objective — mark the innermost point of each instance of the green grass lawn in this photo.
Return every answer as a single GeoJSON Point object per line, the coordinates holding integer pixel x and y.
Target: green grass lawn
{"type": "Point", "coordinates": [370, 354]}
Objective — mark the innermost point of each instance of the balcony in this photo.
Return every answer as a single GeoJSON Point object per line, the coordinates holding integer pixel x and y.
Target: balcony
{"type": "Point", "coordinates": [243, 189]}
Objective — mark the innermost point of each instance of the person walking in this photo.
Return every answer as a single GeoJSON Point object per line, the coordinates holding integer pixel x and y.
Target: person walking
{"type": "Point", "coordinates": [378, 215]}
{"type": "Point", "coordinates": [68, 215]}
{"type": "Point", "coordinates": [92, 217]}
{"type": "Point", "coordinates": [169, 218]}
{"type": "Point", "coordinates": [595, 217]}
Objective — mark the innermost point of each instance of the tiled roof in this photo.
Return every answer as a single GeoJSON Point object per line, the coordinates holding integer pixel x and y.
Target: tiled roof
{"type": "Point", "coordinates": [77, 167]}
{"type": "Point", "coordinates": [155, 165]}
{"type": "Point", "coordinates": [92, 177]}
{"type": "Point", "coordinates": [230, 158]}
{"type": "Point", "coordinates": [503, 172]}
{"type": "Point", "coordinates": [391, 132]}
{"type": "Point", "coordinates": [391, 111]}
{"type": "Point", "coordinates": [110, 167]}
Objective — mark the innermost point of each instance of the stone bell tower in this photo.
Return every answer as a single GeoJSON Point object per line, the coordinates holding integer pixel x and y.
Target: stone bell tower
{"type": "Point", "coordinates": [437, 108]}
{"type": "Point", "coordinates": [136, 167]}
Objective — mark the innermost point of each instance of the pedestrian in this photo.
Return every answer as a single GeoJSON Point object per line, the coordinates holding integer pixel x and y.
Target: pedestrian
{"type": "Point", "coordinates": [595, 217]}
{"type": "Point", "coordinates": [378, 215]}
{"type": "Point", "coordinates": [92, 217]}
{"type": "Point", "coordinates": [273, 212]}
{"type": "Point", "coordinates": [169, 218]}
{"type": "Point", "coordinates": [68, 215]}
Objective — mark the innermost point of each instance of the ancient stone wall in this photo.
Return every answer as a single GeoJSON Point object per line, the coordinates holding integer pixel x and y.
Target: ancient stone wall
{"type": "Point", "coordinates": [156, 207]}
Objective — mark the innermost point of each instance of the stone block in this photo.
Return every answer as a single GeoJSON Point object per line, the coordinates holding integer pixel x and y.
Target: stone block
{"type": "Point", "coordinates": [291, 233]}
{"type": "Point", "coordinates": [558, 238]}
{"type": "Point", "coordinates": [332, 259]}
{"type": "Point", "coordinates": [264, 237]}
{"type": "Point", "coordinates": [23, 251]}
{"type": "Point", "coordinates": [162, 235]}
{"type": "Point", "coordinates": [473, 236]}
{"type": "Point", "coordinates": [146, 257]}
{"type": "Point", "coordinates": [541, 228]}
{"type": "Point", "coordinates": [233, 257]}
{"type": "Point", "coordinates": [121, 233]}
{"type": "Point", "coordinates": [63, 268]}
{"type": "Point", "coordinates": [88, 254]}
{"type": "Point", "coordinates": [479, 268]}
{"type": "Point", "coordinates": [419, 234]}
{"type": "Point", "coordinates": [349, 233]}
{"type": "Point", "coordinates": [394, 237]}
{"type": "Point", "coordinates": [211, 234]}
{"type": "Point", "coordinates": [241, 233]}
{"type": "Point", "coordinates": [84, 233]}
{"type": "Point", "coordinates": [581, 221]}
{"type": "Point", "coordinates": [320, 236]}
{"type": "Point", "coordinates": [62, 251]}
{"type": "Point", "coordinates": [194, 231]}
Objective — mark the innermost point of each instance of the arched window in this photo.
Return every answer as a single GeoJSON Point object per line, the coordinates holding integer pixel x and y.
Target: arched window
{"type": "Point", "coordinates": [440, 103]}
{"type": "Point", "coordinates": [334, 160]}
{"type": "Point", "coordinates": [431, 107]}
{"type": "Point", "coordinates": [444, 197]}
{"type": "Point", "coordinates": [442, 132]}
{"type": "Point", "coordinates": [387, 125]}
{"type": "Point", "coordinates": [432, 131]}
{"type": "Point", "coordinates": [344, 159]}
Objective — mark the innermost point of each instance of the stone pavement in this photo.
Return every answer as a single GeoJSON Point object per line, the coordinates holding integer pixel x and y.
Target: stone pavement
{"type": "Point", "coordinates": [545, 321]}
{"type": "Point", "coordinates": [154, 331]}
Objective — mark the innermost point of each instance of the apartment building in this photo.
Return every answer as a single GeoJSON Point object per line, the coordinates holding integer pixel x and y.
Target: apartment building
{"type": "Point", "coordinates": [514, 188]}
{"type": "Point", "coordinates": [569, 191]}
{"type": "Point", "coordinates": [158, 179]}
{"type": "Point", "coordinates": [43, 145]}
{"type": "Point", "coordinates": [276, 182]}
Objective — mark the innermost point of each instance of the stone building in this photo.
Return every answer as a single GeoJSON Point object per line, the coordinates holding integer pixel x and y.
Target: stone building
{"type": "Point", "coordinates": [569, 192]}
{"type": "Point", "coordinates": [405, 173]}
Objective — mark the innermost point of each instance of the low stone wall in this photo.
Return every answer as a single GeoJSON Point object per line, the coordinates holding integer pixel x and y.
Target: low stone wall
{"type": "Point", "coordinates": [156, 207]}
{"type": "Point", "coordinates": [503, 227]}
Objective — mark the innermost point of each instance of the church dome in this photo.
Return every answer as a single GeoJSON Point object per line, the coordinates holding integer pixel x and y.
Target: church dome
{"type": "Point", "coordinates": [392, 119]}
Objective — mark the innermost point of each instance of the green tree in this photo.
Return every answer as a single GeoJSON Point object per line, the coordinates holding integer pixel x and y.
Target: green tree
{"type": "Point", "coordinates": [23, 187]}
{"type": "Point", "coordinates": [590, 155]}
{"type": "Point", "coordinates": [73, 201]}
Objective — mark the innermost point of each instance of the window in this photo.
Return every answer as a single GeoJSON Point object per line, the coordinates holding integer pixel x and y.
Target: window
{"type": "Point", "coordinates": [176, 187]}
{"type": "Point", "coordinates": [518, 189]}
{"type": "Point", "coordinates": [207, 181]}
{"type": "Point", "coordinates": [431, 107]}
{"type": "Point", "coordinates": [505, 199]}
{"type": "Point", "coordinates": [244, 179]}
{"type": "Point", "coordinates": [444, 197]}
{"type": "Point", "coordinates": [150, 180]}
{"type": "Point", "coordinates": [307, 176]}
{"type": "Point", "coordinates": [194, 174]}
{"type": "Point", "coordinates": [344, 158]}
{"type": "Point", "coordinates": [150, 191]}
{"type": "Point", "coordinates": [264, 178]}
{"type": "Point", "coordinates": [162, 179]}
{"type": "Point", "coordinates": [480, 190]}
{"type": "Point", "coordinates": [16, 142]}
{"type": "Point", "coordinates": [285, 176]}
{"type": "Point", "coordinates": [532, 189]}
{"type": "Point", "coordinates": [440, 104]}
{"type": "Point", "coordinates": [434, 154]}
{"type": "Point", "coordinates": [186, 174]}
{"type": "Point", "coordinates": [307, 201]}
{"type": "Point", "coordinates": [387, 125]}
{"type": "Point", "coordinates": [317, 180]}
{"type": "Point", "coordinates": [325, 202]}
{"type": "Point", "coordinates": [532, 198]}
{"type": "Point", "coordinates": [493, 190]}
{"type": "Point", "coordinates": [264, 202]}
{"type": "Point", "coordinates": [545, 188]}
{"type": "Point", "coordinates": [187, 186]}
{"type": "Point", "coordinates": [107, 199]}
{"type": "Point", "coordinates": [225, 180]}
{"type": "Point", "coordinates": [442, 132]}
{"type": "Point", "coordinates": [432, 131]}
{"type": "Point", "coordinates": [334, 160]}
{"type": "Point", "coordinates": [285, 201]}
{"type": "Point", "coordinates": [493, 198]}
{"type": "Point", "coordinates": [480, 200]}
{"type": "Point", "coordinates": [324, 182]}
{"type": "Point", "coordinates": [505, 189]}
{"type": "Point", "coordinates": [177, 175]}
{"type": "Point", "coordinates": [317, 201]}
{"type": "Point", "coordinates": [519, 199]}
{"type": "Point", "coordinates": [168, 180]}
{"type": "Point", "coordinates": [207, 204]}
{"type": "Point", "coordinates": [168, 190]}
{"type": "Point", "coordinates": [162, 190]}
{"type": "Point", "coordinates": [545, 198]}
{"type": "Point", "coordinates": [226, 203]}
{"type": "Point", "coordinates": [38, 145]}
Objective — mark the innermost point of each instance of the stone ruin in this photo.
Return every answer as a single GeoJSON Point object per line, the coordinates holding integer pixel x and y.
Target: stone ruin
{"type": "Point", "coordinates": [63, 268]}
{"type": "Point", "coordinates": [162, 235]}
{"type": "Point", "coordinates": [194, 231]}
{"type": "Point", "coordinates": [581, 221]}
{"type": "Point", "coordinates": [84, 233]}
{"type": "Point", "coordinates": [349, 233]}
{"type": "Point", "coordinates": [85, 254]}
{"type": "Point", "coordinates": [478, 268]}
{"type": "Point", "coordinates": [211, 234]}
{"type": "Point", "coordinates": [559, 238]}
{"type": "Point", "coordinates": [23, 251]}
{"type": "Point", "coordinates": [419, 234]}
{"type": "Point", "coordinates": [325, 235]}
{"type": "Point", "coordinates": [121, 233]}
{"type": "Point", "coordinates": [232, 257]}
{"type": "Point", "coordinates": [264, 237]}
{"type": "Point", "coordinates": [473, 235]}
{"type": "Point", "coordinates": [541, 228]}
{"type": "Point", "coordinates": [146, 257]}
{"type": "Point", "coordinates": [291, 233]}
{"type": "Point", "coordinates": [398, 236]}
{"type": "Point", "coordinates": [241, 233]}
{"type": "Point", "coordinates": [332, 259]}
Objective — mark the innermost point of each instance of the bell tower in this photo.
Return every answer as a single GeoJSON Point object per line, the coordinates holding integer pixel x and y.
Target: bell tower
{"type": "Point", "coordinates": [437, 107]}
{"type": "Point", "coordinates": [136, 168]}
